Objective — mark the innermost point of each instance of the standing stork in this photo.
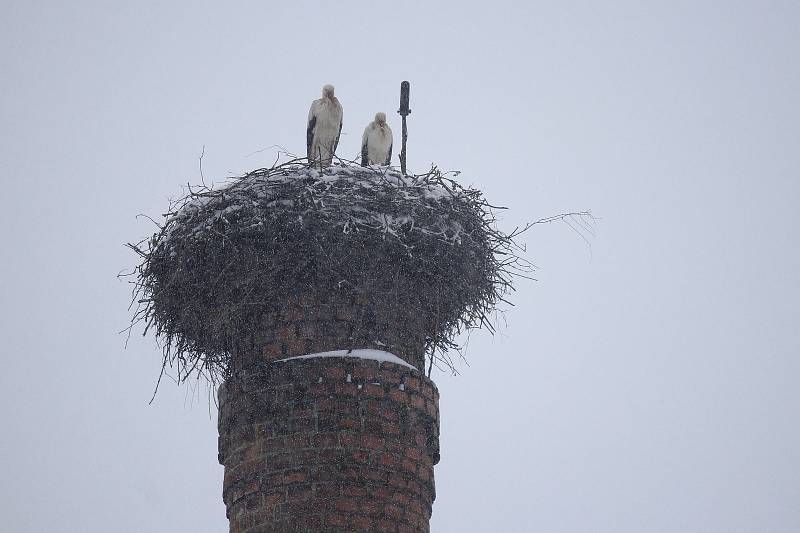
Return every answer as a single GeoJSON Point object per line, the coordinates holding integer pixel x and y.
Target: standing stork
{"type": "Point", "coordinates": [324, 128]}
{"type": "Point", "coordinates": [376, 144]}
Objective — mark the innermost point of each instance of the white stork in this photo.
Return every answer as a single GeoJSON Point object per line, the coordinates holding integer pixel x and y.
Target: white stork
{"type": "Point", "coordinates": [376, 145]}
{"type": "Point", "coordinates": [324, 127]}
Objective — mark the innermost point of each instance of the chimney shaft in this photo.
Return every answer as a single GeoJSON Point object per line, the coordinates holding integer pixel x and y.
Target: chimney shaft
{"type": "Point", "coordinates": [327, 444]}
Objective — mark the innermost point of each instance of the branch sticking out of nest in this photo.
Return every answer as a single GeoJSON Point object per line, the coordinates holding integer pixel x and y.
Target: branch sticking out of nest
{"type": "Point", "coordinates": [421, 249]}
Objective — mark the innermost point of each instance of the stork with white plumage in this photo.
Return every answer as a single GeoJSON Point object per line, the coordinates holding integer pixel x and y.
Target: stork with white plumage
{"type": "Point", "coordinates": [324, 128]}
{"type": "Point", "coordinates": [376, 144]}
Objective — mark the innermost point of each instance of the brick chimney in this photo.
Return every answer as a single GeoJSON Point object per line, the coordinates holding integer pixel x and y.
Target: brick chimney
{"type": "Point", "coordinates": [329, 444]}
{"type": "Point", "coordinates": [368, 263]}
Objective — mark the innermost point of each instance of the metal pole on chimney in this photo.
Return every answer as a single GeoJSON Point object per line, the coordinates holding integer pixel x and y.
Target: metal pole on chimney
{"type": "Point", "coordinates": [404, 112]}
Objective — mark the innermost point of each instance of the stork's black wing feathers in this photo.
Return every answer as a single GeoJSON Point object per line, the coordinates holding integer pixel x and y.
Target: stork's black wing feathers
{"type": "Point", "coordinates": [310, 132]}
{"type": "Point", "coordinates": [364, 160]}
{"type": "Point", "coordinates": [389, 157]}
{"type": "Point", "coordinates": [336, 144]}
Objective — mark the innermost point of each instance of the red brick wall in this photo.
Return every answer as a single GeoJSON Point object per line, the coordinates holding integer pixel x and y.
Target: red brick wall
{"type": "Point", "coordinates": [335, 321]}
{"type": "Point", "coordinates": [328, 445]}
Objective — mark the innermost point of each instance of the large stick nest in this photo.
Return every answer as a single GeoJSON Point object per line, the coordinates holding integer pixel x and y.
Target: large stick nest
{"type": "Point", "coordinates": [223, 257]}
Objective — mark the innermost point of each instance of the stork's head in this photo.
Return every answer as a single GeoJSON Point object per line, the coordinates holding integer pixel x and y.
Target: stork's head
{"type": "Point", "coordinates": [327, 91]}
{"type": "Point", "coordinates": [380, 118]}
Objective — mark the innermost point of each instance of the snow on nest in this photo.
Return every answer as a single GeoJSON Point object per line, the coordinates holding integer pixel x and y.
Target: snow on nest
{"type": "Point", "coordinates": [369, 354]}
{"type": "Point", "coordinates": [351, 197]}
{"type": "Point", "coordinates": [368, 178]}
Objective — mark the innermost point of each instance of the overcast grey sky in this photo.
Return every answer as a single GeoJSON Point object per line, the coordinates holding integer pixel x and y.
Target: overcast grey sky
{"type": "Point", "coordinates": [648, 383]}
